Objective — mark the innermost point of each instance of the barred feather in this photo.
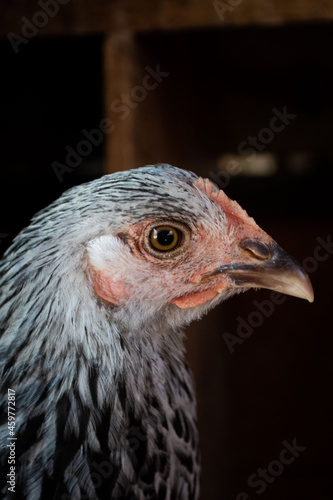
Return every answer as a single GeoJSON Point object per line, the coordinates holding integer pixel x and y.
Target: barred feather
{"type": "Point", "coordinates": [91, 338]}
{"type": "Point", "coordinates": [105, 405]}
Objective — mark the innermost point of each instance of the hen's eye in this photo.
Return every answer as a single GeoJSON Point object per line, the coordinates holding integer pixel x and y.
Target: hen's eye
{"type": "Point", "coordinates": [164, 238]}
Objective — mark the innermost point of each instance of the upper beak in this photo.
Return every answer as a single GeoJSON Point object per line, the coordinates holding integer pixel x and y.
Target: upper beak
{"type": "Point", "coordinates": [269, 266]}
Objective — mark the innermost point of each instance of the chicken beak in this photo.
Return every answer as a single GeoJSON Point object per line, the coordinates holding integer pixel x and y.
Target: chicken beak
{"type": "Point", "coordinates": [269, 266]}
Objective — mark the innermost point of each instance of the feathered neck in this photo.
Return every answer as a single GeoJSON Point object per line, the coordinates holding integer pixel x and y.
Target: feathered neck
{"type": "Point", "coordinates": [52, 323]}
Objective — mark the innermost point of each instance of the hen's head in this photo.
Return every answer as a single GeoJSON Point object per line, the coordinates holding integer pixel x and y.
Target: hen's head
{"type": "Point", "coordinates": [173, 245]}
{"type": "Point", "coordinates": [151, 247]}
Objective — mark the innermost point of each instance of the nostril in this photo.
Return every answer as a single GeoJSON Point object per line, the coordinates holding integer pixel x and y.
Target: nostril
{"type": "Point", "coordinates": [257, 248]}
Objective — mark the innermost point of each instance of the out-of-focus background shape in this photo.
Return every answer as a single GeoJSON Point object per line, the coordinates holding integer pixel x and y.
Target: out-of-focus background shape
{"type": "Point", "coordinates": [239, 91]}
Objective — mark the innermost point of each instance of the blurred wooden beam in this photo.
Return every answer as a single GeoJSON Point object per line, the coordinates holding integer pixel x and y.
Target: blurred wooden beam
{"type": "Point", "coordinates": [68, 17]}
{"type": "Point", "coordinates": [134, 107]}
{"type": "Point", "coordinates": [120, 71]}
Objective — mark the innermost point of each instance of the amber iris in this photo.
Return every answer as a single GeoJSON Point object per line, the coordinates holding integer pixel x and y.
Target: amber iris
{"type": "Point", "coordinates": [164, 238]}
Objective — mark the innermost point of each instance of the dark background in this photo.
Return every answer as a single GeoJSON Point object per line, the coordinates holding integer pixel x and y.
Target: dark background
{"type": "Point", "coordinates": [224, 82]}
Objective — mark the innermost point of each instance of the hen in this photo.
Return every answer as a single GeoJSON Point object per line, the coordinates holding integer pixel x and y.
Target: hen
{"type": "Point", "coordinates": [94, 294]}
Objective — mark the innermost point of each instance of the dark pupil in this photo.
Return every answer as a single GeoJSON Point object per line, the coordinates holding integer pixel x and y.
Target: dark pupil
{"type": "Point", "coordinates": [165, 237]}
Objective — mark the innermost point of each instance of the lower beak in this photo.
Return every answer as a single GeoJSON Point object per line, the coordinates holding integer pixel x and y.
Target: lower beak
{"type": "Point", "coordinates": [276, 271]}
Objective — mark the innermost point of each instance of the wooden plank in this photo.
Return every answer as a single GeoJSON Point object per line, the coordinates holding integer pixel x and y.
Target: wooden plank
{"type": "Point", "coordinates": [120, 68]}
{"type": "Point", "coordinates": [67, 17]}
